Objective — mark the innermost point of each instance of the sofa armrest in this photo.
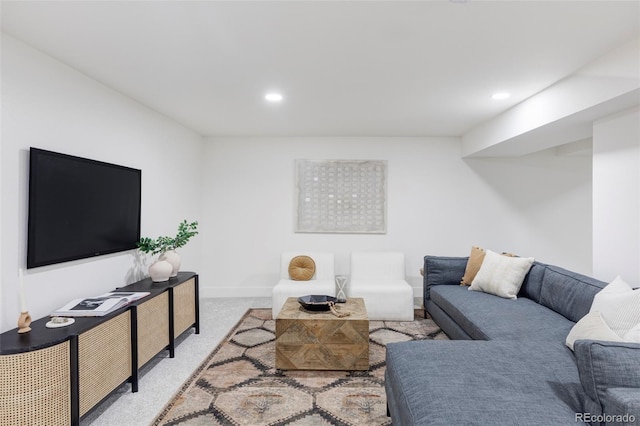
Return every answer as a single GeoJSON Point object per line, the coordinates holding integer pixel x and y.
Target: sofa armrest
{"type": "Point", "coordinates": [606, 366]}
{"type": "Point", "coordinates": [440, 270]}
{"type": "Point", "coordinates": [622, 405]}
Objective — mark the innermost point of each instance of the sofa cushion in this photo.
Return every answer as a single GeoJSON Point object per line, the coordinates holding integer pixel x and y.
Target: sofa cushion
{"type": "Point", "coordinates": [441, 270]}
{"type": "Point", "coordinates": [496, 382]}
{"type": "Point", "coordinates": [623, 402]}
{"type": "Point", "coordinates": [389, 300]}
{"type": "Point", "coordinates": [302, 268]}
{"type": "Point", "coordinates": [324, 264]}
{"type": "Point", "coordinates": [604, 365]}
{"type": "Point", "coordinates": [632, 335]}
{"type": "Point", "coordinates": [568, 293]}
{"type": "Point", "coordinates": [487, 317]}
{"type": "Point", "coordinates": [593, 327]}
{"type": "Point", "coordinates": [532, 284]}
{"type": "Point", "coordinates": [451, 328]}
{"type": "Point", "coordinates": [619, 305]}
{"type": "Point", "coordinates": [501, 275]}
{"type": "Point", "coordinates": [473, 265]}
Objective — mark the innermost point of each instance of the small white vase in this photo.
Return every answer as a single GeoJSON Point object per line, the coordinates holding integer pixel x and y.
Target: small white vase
{"type": "Point", "coordinates": [160, 271]}
{"type": "Point", "coordinates": [174, 259]}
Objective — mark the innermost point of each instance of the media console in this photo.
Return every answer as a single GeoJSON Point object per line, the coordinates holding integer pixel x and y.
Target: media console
{"type": "Point", "coordinates": [56, 376]}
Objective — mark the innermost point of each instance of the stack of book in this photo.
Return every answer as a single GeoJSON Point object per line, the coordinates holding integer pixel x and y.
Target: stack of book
{"type": "Point", "coordinates": [99, 305]}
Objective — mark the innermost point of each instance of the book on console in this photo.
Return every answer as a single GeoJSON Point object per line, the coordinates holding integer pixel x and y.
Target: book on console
{"type": "Point", "coordinates": [98, 306]}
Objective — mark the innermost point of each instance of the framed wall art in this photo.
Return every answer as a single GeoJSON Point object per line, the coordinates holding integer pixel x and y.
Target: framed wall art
{"type": "Point", "coordinates": [341, 196]}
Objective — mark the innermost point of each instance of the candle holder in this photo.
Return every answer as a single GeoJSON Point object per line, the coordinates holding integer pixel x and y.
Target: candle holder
{"type": "Point", "coordinates": [341, 288]}
{"type": "Point", "coordinates": [24, 320]}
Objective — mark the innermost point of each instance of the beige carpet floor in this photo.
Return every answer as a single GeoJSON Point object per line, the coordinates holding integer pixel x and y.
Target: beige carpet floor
{"type": "Point", "coordinates": [238, 384]}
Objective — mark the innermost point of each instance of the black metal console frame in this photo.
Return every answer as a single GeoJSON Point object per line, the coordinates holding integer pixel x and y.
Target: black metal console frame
{"type": "Point", "coordinates": [41, 337]}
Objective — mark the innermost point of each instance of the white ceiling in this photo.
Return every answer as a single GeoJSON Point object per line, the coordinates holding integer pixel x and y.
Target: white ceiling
{"type": "Point", "coordinates": [346, 68]}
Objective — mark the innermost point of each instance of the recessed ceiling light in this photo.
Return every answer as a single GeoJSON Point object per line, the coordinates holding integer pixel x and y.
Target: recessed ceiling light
{"type": "Point", "coordinates": [500, 95]}
{"type": "Point", "coordinates": [273, 97]}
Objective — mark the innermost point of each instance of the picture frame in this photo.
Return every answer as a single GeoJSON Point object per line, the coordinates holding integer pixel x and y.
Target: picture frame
{"type": "Point", "coordinates": [341, 196]}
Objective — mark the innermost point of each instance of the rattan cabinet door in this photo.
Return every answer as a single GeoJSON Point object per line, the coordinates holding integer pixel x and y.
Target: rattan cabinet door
{"type": "Point", "coordinates": [184, 306]}
{"type": "Point", "coordinates": [104, 358]}
{"type": "Point", "coordinates": [153, 327]}
{"type": "Point", "coordinates": [35, 387]}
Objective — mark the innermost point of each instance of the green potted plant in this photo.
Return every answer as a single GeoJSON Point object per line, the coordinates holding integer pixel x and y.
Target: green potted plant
{"type": "Point", "coordinates": [155, 246]}
{"type": "Point", "coordinates": [168, 264]}
{"type": "Point", "coordinates": [186, 231]}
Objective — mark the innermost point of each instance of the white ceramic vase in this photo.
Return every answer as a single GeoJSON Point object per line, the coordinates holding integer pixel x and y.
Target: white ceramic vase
{"type": "Point", "coordinates": [160, 271]}
{"type": "Point", "coordinates": [174, 259]}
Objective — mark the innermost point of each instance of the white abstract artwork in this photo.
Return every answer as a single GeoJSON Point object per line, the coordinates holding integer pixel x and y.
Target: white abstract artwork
{"type": "Point", "coordinates": [341, 196]}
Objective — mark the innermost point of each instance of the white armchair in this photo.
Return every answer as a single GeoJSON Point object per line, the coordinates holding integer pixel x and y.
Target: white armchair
{"type": "Point", "coordinates": [322, 282]}
{"type": "Point", "coordinates": [378, 277]}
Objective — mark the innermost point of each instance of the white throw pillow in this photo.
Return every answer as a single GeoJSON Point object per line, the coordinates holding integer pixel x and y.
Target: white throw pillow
{"type": "Point", "coordinates": [592, 327]}
{"type": "Point", "coordinates": [501, 275]}
{"type": "Point", "coordinates": [633, 335]}
{"type": "Point", "coordinates": [619, 305]}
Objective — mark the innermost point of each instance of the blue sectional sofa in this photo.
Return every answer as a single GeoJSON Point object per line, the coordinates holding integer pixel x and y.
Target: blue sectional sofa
{"type": "Point", "coordinates": [507, 362]}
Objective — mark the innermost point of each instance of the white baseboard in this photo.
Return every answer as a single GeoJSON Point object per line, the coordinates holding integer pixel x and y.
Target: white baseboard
{"type": "Point", "coordinates": [235, 291]}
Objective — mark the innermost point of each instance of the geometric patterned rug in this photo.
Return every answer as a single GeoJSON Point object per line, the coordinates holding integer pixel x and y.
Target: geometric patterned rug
{"type": "Point", "coordinates": [238, 384]}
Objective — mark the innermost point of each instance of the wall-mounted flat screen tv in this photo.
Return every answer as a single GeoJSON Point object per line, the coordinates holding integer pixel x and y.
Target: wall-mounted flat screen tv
{"type": "Point", "coordinates": [80, 208]}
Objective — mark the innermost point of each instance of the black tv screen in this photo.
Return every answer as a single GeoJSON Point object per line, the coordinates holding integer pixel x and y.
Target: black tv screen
{"type": "Point", "coordinates": [80, 208]}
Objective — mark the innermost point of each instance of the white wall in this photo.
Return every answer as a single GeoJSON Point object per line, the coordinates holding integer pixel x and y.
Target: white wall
{"type": "Point", "coordinates": [242, 192]}
{"type": "Point", "coordinates": [48, 105]}
{"type": "Point", "coordinates": [616, 197]}
{"type": "Point", "coordinates": [438, 203]}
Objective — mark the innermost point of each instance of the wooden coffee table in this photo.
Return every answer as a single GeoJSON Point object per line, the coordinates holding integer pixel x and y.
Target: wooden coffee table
{"type": "Point", "coordinates": [312, 340]}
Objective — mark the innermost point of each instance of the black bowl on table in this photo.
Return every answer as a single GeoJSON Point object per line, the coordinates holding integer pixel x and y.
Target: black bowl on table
{"type": "Point", "coordinates": [316, 302]}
